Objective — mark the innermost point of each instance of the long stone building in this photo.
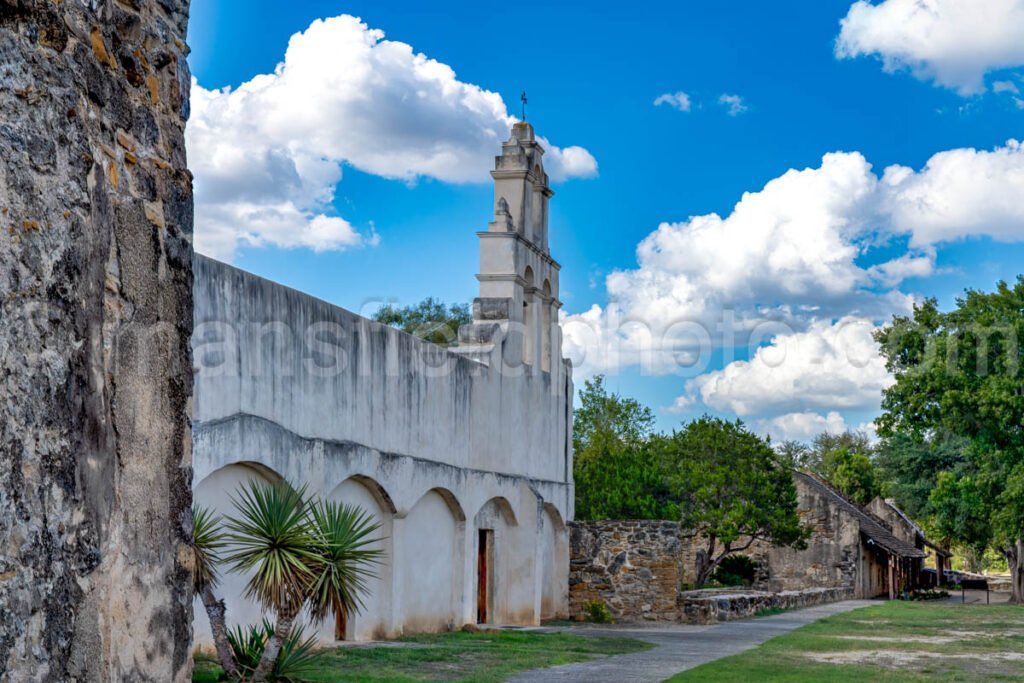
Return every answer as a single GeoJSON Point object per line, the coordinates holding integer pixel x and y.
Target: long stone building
{"type": "Point", "coordinates": [463, 454]}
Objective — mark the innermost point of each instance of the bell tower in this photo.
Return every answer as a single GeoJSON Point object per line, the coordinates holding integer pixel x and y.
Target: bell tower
{"type": "Point", "coordinates": [516, 314]}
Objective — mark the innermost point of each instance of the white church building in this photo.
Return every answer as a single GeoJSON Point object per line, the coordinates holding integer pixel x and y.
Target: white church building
{"type": "Point", "coordinates": [463, 454]}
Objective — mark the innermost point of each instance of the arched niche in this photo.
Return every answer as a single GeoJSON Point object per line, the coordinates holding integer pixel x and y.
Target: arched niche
{"type": "Point", "coordinates": [429, 541]}
{"type": "Point", "coordinates": [215, 493]}
{"type": "Point", "coordinates": [372, 621]}
{"type": "Point", "coordinates": [554, 564]}
{"type": "Point", "coordinates": [529, 316]}
{"type": "Point", "coordinates": [495, 552]}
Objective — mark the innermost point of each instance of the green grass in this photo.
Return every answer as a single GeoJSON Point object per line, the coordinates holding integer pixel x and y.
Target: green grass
{"type": "Point", "coordinates": [895, 641]}
{"type": "Point", "coordinates": [487, 657]}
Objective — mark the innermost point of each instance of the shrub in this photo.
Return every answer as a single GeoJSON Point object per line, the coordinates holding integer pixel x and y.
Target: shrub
{"type": "Point", "coordinates": [597, 612]}
{"type": "Point", "coordinates": [295, 662]}
{"type": "Point", "coordinates": [735, 570]}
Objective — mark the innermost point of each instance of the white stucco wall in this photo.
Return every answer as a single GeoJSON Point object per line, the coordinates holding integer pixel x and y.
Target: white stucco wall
{"type": "Point", "coordinates": [422, 438]}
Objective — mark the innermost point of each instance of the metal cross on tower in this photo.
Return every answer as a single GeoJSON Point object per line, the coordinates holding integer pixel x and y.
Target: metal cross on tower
{"type": "Point", "coordinates": [523, 98]}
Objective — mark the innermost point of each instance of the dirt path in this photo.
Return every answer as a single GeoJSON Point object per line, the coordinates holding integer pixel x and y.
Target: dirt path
{"type": "Point", "coordinates": [679, 646]}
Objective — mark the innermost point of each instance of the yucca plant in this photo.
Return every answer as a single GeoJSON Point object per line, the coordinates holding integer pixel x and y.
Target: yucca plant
{"type": "Point", "coordinates": [302, 554]}
{"type": "Point", "coordinates": [273, 538]}
{"type": "Point", "coordinates": [207, 544]}
{"type": "Point", "coordinates": [342, 540]}
{"type": "Point", "coordinates": [296, 661]}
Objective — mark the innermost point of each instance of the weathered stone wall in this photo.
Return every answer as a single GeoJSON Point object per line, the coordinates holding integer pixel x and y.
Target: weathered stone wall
{"type": "Point", "coordinates": [830, 560]}
{"type": "Point", "coordinates": [95, 320]}
{"type": "Point", "coordinates": [833, 552]}
{"type": "Point", "coordinates": [713, 606]}
{"type": "Point", "coordinates": [632, 566]}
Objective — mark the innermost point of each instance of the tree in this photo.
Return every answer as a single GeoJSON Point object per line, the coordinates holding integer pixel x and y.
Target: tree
{"type": "Point", "coordinates": [617, 475]}
{"type": "Point", "coordinates": [961, 372]}
{"type": "Point", "coordinates": [430, 320]}
{"type": "Point", "coordinates": [207, 544]}
{"type": "Point", "coordinates": [845, 460]}
{"type": "Point", "coordinates": [909, 468]}
{"type": "Point", "coordinates": [732, 490]}
{"type": "Point", "coordinates": [961, 513]}
{"type": "Point", "coordinates": [855, 475]}
{"type": "Point", "coordinates": [302, 553]}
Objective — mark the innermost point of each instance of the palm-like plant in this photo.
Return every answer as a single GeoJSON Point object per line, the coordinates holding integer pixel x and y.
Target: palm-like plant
{"type": "Point", "coordinates": [302, 554]}
{"type": "Point", "coordinates": [272, 537]}
{"type": "Point", "coordinates": [207, 544]}
{"type": "Point", "coordinates": [342, 540]}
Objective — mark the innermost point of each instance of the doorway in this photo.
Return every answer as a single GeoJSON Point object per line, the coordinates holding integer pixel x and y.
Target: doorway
{"type": "Point", "coordinates": [484, 555]}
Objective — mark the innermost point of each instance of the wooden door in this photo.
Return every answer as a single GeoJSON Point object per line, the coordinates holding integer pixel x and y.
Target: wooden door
{"type": "Point", "coordinates": [484, 541]}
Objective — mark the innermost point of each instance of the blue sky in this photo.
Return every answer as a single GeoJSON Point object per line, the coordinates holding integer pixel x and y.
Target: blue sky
{"type": "Point", "coordinates": [593, 71]}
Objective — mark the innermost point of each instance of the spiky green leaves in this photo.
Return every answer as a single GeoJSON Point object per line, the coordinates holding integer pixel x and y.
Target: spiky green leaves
{"type": "Point", "coordinates": [207, 544]}
{"type": "Point", "coordinates": [342, 540]}
{"type": "Point", "coordinates": [272, 536]}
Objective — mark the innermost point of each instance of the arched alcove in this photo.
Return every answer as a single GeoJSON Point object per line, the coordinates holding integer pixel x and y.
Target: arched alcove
{"type": "Point", "coordinates": [372, 621]}
{"type": "Point", "coordinates": [215, 493]}
{"type": "Point", "coordinates": [429, 543]}
{"type": "Point", "coordinates": [545, 327]}
{"type": "Point", "coordinates": [554, 564]}
{"type": "Point", "coordinates": [529, 316]}
{"type": "Point", "coordinates": [494, 528]}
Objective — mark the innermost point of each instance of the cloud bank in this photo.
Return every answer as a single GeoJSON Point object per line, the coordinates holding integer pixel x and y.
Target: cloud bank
{"type": "Point", "coordinates": [268, 155]}
{"type": "Point", "coordinates": [951, 42]}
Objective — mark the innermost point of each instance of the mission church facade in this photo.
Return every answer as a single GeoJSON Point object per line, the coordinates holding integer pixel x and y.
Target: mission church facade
{"type": "Point", "coordinates": [462, 454]}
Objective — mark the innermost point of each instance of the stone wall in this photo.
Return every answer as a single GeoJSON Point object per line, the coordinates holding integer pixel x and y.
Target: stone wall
{"type": "Point", "coordinates": [95, 320]}
{"type": "Point", "coordinates": [713, 606]}
{"type": "Point", "coordinates": [632, 566]}
{"type": "Point", "coordinates": [830, 560]}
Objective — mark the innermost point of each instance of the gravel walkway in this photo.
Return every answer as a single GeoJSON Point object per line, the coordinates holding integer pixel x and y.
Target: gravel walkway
{"type": "Point", "coordinates": [679, 646]}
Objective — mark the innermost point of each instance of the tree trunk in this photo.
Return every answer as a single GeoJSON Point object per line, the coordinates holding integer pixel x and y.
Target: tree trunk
{"type": "Point", "coordinates": [215, 611]}
{"type": "Point", "coordinates": [1015, 559]}
{"type": "Point", "coordinates": [705, 565]}
{"type": "Point", "coordinates": [273, 648]}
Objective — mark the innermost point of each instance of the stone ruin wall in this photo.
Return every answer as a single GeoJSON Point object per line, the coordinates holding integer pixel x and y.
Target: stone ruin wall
{"type": "Point", "coordinates": [639, 568]}
{"type": "Point", "coordinates": [829, 561]}
{"type": "Point", "coordinates": [632, 566]}
{"type": "Point", "coordinates": [95, 320]}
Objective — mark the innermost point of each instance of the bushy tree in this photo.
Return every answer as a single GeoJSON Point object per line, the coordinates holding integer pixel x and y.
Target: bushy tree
{"type": "Point", "coordinates": [430, 319]}
{"type": "Point", "coordinates": [846, 460]}
{"type": "Point", "coordinates": [732, 489]}
{"type": "Point", "coordinates": [961, 372]}
{"type": "Point", "coordinates": [617, 476]}
{"type": "Point", "coordinates": [909, 468]}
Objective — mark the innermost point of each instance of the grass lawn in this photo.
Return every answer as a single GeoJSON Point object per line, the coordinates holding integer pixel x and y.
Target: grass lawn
{"type": "Point", "coordinates": [894, 641]}
{"type": "Point", "coordinates": [464, 657]}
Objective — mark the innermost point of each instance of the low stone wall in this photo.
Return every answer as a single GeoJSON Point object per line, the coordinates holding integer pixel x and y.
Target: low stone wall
{"type": "Point", "coordinates": [634, 567]}
{"type": "Point", "coordinates": [712, 606]}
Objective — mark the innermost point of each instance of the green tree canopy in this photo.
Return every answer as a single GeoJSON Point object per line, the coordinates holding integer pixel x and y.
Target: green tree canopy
{"type": "Point", "coordinates": [616, 474]}
{"type": "Point", "coordinates": [846, 460]}
{"type": "Point", "coordinates": [961, 372]}
{"type": "Point", "coordinates": [430, 320]}
{"type": "Point", "coordinates": [732, 489]}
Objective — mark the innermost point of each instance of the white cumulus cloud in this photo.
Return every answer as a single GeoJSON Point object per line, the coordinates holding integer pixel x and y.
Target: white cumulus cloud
{"type": "Point", "coordinates": [677, 100]}
{"type": "Point", "coordinates": [829, 366]}
{"type": "Point", "coordinates": [951, 42]}
{"type": "Point", "coordinates": [802, 426]}
{"type": "Point", "coordinates": [734, 104]}
{"type": "Point", "coordinates": [796, 252]}
{"type": "Point", "coordinates": [268, 154]}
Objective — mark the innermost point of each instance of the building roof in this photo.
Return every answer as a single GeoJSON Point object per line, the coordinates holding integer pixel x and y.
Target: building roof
{"type": "Point", "coordinates": [917, 529]}
{"type": "Point", "coordinates": [871, 528]}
